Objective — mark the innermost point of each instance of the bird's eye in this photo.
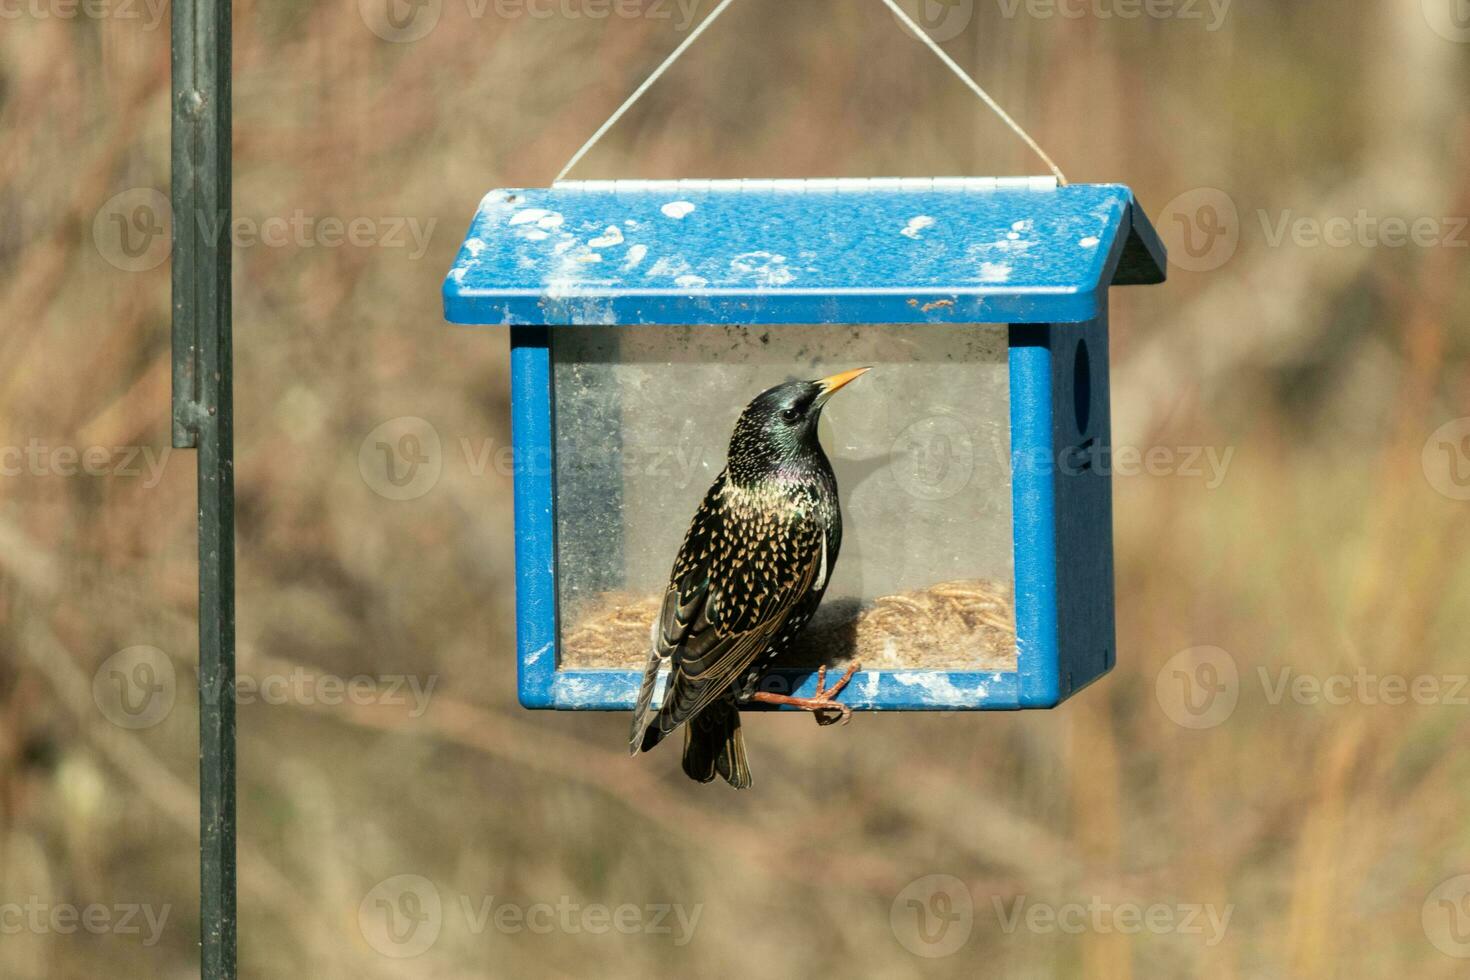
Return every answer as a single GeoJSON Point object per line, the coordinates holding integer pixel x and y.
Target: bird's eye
{"type": "Point", "coordinates": [790, 415]}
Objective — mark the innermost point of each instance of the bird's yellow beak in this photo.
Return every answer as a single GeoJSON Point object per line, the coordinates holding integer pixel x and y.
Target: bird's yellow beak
{"type": "Point", "coordinates": [831, 385]}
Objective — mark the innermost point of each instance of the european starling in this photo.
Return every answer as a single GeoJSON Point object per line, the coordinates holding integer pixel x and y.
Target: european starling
{"type": "Point", "coordinates": [754, 565]}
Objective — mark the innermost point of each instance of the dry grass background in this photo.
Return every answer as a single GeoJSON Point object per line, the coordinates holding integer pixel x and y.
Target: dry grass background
{"type": "Point", "coordinates": [1324, 549]}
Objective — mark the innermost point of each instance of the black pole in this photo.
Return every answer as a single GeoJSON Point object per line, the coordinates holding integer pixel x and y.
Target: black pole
{"type": "Point", "coordinates": [203, 408]}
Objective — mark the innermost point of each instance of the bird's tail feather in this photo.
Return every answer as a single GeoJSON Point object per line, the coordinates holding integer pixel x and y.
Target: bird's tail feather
{"type": "Point", "coordinates": [714, 745]}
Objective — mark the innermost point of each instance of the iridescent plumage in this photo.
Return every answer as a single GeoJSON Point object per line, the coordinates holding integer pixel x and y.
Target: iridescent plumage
{"type": "Point", "coordinates": [753, 568]}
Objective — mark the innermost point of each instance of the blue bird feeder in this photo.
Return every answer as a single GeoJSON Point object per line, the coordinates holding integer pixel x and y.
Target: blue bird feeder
{"type": "Point", "coordinates": [977, 561]}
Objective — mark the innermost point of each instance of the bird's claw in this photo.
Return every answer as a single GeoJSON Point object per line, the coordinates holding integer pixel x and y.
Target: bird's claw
{"type": "Point", "coordinates": [824, 706]}
{"type": "Point", "coordinates": [838, 712]}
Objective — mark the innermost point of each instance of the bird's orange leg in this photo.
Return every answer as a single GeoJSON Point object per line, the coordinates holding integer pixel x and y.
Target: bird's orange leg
{"type": "Point", "coordinates": [824, 707]}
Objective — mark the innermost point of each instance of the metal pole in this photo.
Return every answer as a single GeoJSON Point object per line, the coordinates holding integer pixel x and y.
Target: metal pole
{"type": "Point", "coordinates": [203, 420]}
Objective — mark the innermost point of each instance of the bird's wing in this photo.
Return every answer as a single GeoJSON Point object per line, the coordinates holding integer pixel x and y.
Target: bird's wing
{"type": "Point", "coordinates": [722, 611]}
{"type": "Point", "coordinates": [683, 604]}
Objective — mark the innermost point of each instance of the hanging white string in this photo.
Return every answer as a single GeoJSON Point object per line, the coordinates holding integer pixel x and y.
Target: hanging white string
{"type": "Point", "coordinates": [648, 84]}
{"type": "Point", "coordinates": [898, 11]}
{"type": "Point", "coordinates": [939, 52]}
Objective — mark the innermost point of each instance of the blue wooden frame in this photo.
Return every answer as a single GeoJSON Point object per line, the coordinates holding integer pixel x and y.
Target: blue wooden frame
{"type": "Point", "coordinates": [1083, 239]}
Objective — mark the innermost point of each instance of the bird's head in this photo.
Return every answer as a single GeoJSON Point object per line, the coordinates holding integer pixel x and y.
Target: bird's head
{"type": "Point", "coordinates": [778, 430]}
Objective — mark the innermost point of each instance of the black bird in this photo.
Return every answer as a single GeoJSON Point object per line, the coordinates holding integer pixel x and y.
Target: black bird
{"type": "Point", "coordinates": [754, 565]}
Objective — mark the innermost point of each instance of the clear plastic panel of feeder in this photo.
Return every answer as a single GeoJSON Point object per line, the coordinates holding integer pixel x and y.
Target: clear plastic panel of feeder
{"type": "Point", "coordinates": [920, 446]}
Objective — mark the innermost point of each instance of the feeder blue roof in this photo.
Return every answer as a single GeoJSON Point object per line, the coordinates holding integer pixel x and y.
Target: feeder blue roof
{"type": "Point", "coordinates": [961, 250]}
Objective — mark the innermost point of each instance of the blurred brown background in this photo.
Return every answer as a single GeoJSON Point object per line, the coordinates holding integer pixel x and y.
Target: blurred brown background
{"type": "Point", "coordinates": [1189, 816]}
